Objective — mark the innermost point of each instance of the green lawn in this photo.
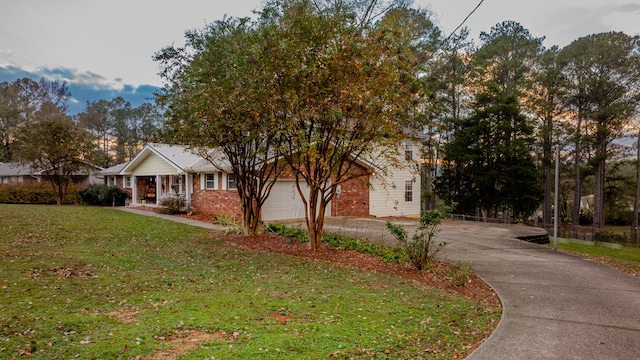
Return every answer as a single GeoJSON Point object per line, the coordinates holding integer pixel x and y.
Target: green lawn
{"type": "Point", "coordinates": [99, 283]}
{"type": "Point", "coordinates": [626, 259]}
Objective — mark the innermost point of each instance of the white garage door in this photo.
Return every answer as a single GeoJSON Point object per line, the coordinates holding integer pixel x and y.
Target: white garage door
{"type": "Point", "coordinates": [284, 202]}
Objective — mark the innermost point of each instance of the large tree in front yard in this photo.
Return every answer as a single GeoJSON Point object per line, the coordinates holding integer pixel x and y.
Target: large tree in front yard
{"type": "Point", "coordinates": [347, 92]}
{"type": "Point", "coordinates": [220, 96]}
{"type": "Point", "coordinates": [56, 147]}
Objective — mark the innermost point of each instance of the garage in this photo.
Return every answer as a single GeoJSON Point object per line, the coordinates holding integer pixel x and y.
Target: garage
{"type": "Point", "coordinates": [284, 202]}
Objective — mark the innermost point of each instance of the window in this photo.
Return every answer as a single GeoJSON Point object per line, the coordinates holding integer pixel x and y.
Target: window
{"type": "Point", "coordinates": [231, 182]}
{"type": "Point", "coordinates": [127, 182]}
{"type": "Point", "coordinates": [111, 181]}
{"type": "Point", "coordinates": [408, 151]}
{"type": "Point", "coordinates": [408, 190]}
{"type": "Point", "coordinates": [210, 182]}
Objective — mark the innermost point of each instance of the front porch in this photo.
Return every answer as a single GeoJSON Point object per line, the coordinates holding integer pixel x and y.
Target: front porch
{"type": "Point", "coordinates": [150, 190]}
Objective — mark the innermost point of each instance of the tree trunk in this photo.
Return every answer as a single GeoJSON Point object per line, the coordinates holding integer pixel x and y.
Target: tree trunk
{"type": "Point", "coordinates": [634, 225]}
{"type": "Point", "coordinates": [598, 191]}
{"type": "Point", "coordinates": [547, 166]}
{"type": "Point", "coordinates": [577, 192]}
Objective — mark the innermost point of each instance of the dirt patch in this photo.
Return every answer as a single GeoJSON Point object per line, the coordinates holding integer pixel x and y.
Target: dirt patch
{"type": "Point", "coordinates": [282, 319]}
{"type": "Point", "coordinates": [125, 316]}
{"type": "Point", "coordinates": [474, 288]}
{"type": "Point", "coordinates": [184, 341]}
{"type": "Point", "coordinates": [69, 272]}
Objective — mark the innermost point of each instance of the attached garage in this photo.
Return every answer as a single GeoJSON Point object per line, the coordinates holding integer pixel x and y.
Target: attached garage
{"type": "Point", "coordinates": [284, 202]}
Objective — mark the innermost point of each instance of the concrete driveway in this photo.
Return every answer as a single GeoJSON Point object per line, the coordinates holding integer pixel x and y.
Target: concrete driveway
{"type": "Point", "coordinates": [555, 305]}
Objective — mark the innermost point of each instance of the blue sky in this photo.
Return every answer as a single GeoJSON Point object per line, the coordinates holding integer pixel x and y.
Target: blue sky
{"type": "Point", "coordinates": [104, 49]}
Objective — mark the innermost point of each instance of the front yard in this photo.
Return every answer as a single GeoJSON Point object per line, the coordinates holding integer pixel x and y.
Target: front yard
{"type": "Point", "coordinates": [97, 283]}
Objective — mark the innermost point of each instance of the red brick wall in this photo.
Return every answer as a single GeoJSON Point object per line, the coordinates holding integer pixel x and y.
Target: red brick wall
{"type": "Point", "coordinates": [209, 203]}
{"type": "Point", "coordinates": [353, 199]}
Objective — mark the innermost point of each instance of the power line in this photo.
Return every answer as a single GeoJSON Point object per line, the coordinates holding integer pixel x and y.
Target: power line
{"type": "Point", "coordinates": [463, 21]}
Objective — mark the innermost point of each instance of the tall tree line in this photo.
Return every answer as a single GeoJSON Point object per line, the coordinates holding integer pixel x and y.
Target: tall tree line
{"type": "Point", "coordinates": [120, 129]}
{"type": "Point", "coordinates": [581, 98]}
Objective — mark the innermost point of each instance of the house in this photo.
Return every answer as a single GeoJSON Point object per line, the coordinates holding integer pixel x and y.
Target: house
{"type": "Point", "coordinates": [160, 170]}
{"type": "Point", "coordinates": [12, 173]}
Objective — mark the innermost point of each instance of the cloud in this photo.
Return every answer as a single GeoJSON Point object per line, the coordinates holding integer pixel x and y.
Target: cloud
{"type": "Point", "coordinates": [84, 86]}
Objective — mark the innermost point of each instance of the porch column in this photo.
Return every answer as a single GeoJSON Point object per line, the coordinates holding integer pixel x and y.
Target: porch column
{"type": "Point", "coordinates": [158, 188]}
{"type": "Point", "coordinates": [134, 190]}
{"type": "Point", "coordinates": [188, 180]}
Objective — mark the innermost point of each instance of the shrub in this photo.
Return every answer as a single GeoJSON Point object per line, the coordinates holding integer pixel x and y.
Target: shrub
{"type": "Point", "coordinates": [461, 273]}
{"type": "Point", "coordinates": [174, 204]}
{"type": "Point", "coordinates": [103, 195]}
{"type": "Point", "coordinates": [35, 193]}
{"type": "Point", "coordinates": [422, 248]}
{"type": "Point", "coordinates": [232, 224]}
{"type": "Point", "coordinates": [280, 229]}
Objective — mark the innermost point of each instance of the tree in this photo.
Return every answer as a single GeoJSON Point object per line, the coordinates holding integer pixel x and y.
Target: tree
{"type": "Point", "coordinates": [19, 101]}
{"type": "Point", "coordinates": [507, 57]}
{"type": "Point", "coordinates": [546, 102]}
{"type": "Point", "coordinates": [56, 147]}
{"type": "Point", "coordinates": [604, 71]}
{"type": "Point", "coordinates": [488, 162]}
{"type": "Point", "coordinates": [220, 95]}
{"type": "Point", "coordinates": [348, 92]}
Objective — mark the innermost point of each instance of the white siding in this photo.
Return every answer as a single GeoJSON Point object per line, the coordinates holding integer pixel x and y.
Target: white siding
{"type": "Point", "coordinates": [154, 165]}
{"type": "Point", "coordinates": [387, 197]}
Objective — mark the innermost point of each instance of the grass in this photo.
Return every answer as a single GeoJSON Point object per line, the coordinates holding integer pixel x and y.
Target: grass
{"type": "Point", "coordinates": [70, 275]}
{"type": "Point", "coordinates": [626, 259]}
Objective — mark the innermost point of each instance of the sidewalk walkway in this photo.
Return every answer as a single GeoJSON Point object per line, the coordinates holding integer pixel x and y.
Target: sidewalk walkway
{"type": "Point", "coordinates": [555, 305]}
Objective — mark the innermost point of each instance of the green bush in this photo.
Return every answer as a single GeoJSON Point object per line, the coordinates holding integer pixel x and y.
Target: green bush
{"type": "Point", "coordinates": [385, 253]}
{"type": "Point", "coordinates": [35, 193]}
{"type": "Point", "coordinates": [174, 204]}
{"type": "Point", "coordinates": [103, 195]}
{"type": "Point", "coordinates": [422, 247]}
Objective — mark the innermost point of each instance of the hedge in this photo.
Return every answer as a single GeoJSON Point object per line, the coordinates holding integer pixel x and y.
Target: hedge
{"type": "Point", "coordinates": [35, 193]}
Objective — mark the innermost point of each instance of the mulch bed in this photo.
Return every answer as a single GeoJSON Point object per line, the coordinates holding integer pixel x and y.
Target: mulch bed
{"type": "Point", "coordinates": [474, 289]}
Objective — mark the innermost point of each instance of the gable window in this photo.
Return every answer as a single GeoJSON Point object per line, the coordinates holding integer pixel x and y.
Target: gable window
{"type": "Point", "coordinates": [408, 190]}
{"type": "Point", "coordinates": [408, 151]}
{"type": "Point", "coordinates": [127, 181]}
{"type": "Point", "coordinates": [210, 182]}
{"type": "Point", "coordinates": [111, 181]}
{"type": "Point", "coordinates": [231, 182]}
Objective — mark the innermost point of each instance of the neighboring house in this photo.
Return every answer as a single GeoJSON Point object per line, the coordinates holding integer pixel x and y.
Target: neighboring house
{"type": "Point", "coordinates": [160, 169]}
{"type": "Point", "coordinates": [12, 173]}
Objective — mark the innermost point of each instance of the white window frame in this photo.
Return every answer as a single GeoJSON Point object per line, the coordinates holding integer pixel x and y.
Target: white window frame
{"type": "Point", "coordinates": [204, 182]}
{"type": "Point", "coordinates": [408, 191]}
{"type": "Point", "coordinates": [111, 181]}
{"type": "Point", "coordinates": [127, 181]}
{"type": "Point", "coordinates": [408, 151]}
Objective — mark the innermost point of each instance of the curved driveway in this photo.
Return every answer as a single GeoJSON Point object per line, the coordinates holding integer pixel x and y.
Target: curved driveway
{"type": "Point", "coordinates": [555, 305]}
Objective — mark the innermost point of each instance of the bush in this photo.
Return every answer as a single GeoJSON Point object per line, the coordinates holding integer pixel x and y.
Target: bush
{"type": "Point", "coordinates": [103, 195]}
{"type": "Point", "coordinates": [174, 204]}
{"type": "Point", "coordinates": [385, 253]}
{"type": "Point", "coordinates": [422, 248]}
{"type": "Point", "coordinates": [35, 193]}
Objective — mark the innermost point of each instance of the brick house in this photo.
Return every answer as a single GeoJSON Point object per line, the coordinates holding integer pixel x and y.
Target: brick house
{"type": "Point", "coordinates": [161, 169]}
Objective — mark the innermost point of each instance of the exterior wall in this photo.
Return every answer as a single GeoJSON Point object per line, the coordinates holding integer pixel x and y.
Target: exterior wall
{"type": "Point", "coordinates": [209, 203]}
{"type": "Point", "coordinates": [388, 196]}
{"type": "Point", "coordinates": [353, 199]}
{"type": "Point", "coordinates": [14, 179]}
{"type": "Point", "coordinates": [154, 165]}
{"type": "Point", "coordinates": [387, 192]}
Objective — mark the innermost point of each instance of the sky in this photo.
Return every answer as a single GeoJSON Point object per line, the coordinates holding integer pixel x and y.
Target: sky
{"type": "Point", "coordinates": [104, 48]}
